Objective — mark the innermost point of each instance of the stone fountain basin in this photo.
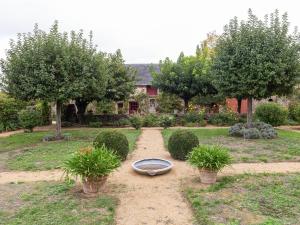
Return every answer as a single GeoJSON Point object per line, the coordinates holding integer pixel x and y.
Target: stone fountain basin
{"type": "Point", "coordinates": [152, 166]}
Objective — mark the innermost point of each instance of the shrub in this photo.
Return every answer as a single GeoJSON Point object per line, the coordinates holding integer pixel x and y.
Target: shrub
{"type": "Point", "coordinates": [191, 117]}
{"type": "Point", "coordinates": [95, 124]}
{"type": "Point", "coordinates": [1, 128]}
{"type": "Point", "coordinates": [294, 111]}
{"type": "Point", "coordinates": [45, 110]}
{"type": "Point", "coordinates": [166, 121]}
{"type": "Point", "coordinates": [271, 113]}
{"type": "Point", "coordinates": [181, 143]}
{"type": "Point", "coordinates": [113, 140]}
{"type": "Point", "coordinates": [29, 118]}
{"type": "Point", "coordinates": [92, 163]}
{"type": "Point", "coordinates": [223, 118]}
{"type": "Point", "coordinates": [136, 122]}
{"type": "Point", "coordinates": [9, 109]}
{"type": "Point", "coordinates": [210, 157]}
{"type": "Point", "coordinates": [191, 124]}
{"type": "Point", "coordinates": [257, 130]}
{"type": "Point", "coordinates": [251, 133]}
{"type": "Point", "coordinates": [150, 120]}
{"type": "Point", "coordinates": [124, 122]}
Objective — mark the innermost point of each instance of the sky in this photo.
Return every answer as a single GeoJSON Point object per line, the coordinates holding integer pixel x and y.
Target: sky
{"type": "Point", "coordinates": [145, 30]}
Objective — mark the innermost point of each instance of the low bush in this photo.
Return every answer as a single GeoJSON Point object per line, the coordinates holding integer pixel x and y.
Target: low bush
{"type": "Point", "coordinates": [150, 120]}
{"type": "Point", "coordinates": [191, 117]}
{"type": "Point", "coordinates": [136, 121]}
{"type": "Point", "coordinates": [255, 131]}
{"type": "Point", "coordinates": [92, 163]}
{"type": "Point", "coordinates": [294, 111]}
{"type": "Point", "coordinates": [113, 140]}
{"type": "Point", "coordinates": [95, 124]}
{"type": "Point", "coordinates": [123, 122]}
{"type": "Point", "coordinates": [271, 113]}
{"type": "Point", "coordinates": [166, 121]}
{"type": "Point", "coordinates": [210, 157]}
{"type": "Point", "coordinates": [225, 118]}
{"type": "Point", "coordinates": [29, 118]}
{"type": "Point", "coordinates": [45, 110]}
{"type": "Point", "coordinates": [181, 143]}
{"type": "Point", "coordinates": [9, 109]}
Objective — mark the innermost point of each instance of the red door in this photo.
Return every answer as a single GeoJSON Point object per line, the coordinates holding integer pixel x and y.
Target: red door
{"type": "Point", "coordinates": [133, 107]}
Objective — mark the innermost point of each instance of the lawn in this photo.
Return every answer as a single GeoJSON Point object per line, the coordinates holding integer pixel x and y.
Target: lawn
{"type": "Point", "coordinates": [248, 199]}
{"type": "Point", "coordinates": [53, 203]}
{"type": "Point", "coordinates": [28, 152]}
{"type": "Point", "coordinates": [284, 148]}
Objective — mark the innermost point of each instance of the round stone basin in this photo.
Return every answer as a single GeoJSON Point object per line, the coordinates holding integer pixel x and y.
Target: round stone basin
{"type": "Point", "coordinates": [152, 167]}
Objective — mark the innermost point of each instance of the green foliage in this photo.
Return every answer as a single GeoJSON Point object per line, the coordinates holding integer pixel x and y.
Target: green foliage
{"type": "Point", "coordinates": [166, 121]}
{"type": "Point", "coordinates": [54, 67]}
{"type": "Point", "coordinates": [105, 107]}
{"type": "Point", "coordinates": [150, 120]}
{"type": "Point", "coordinates": [136, 121]}
{"type": "Point", "coordinates": [92, 163]}
{"type": "Point", "coordinates": [181, 143]}
{"type": "Point", "coordinates": [9, 108]}
{"type": "Point", "coordinates": [95, 124]}
{"type": "Point", "coordinates": [257, 58]}
{"type": "Point", "coordinates": [45, 110]}
{"type": "Point", "coordinates": [192, 117]}
{"type": "Point", "coordinates": [271, 113]}
{"type": "Point", "coordinates": [122, 79]}
{"type": "Point", "coordinates": [211, 157]}
{"type": "Point", "coordinates": [29, 118]}
{"type": "Point", "coordinates": [114, 141]}
{"type": "Point", "coordinates": [168, 103]}
{"type": "Point", "coordinates": [294, 111]}
{"type": "Point", "coordinates": [188, 77]}
{"type": "Point", "coordinates": [223, 118]}
{"type": "Point", "coordinates": [143, 100]}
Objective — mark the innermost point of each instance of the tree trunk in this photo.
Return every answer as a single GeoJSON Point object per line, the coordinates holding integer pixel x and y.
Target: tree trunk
{"type": "Point", "coordinates": [186, 105]}
{"type": "Point", "coordinates": [239, 106]}
{"type": "Point", "coordinates": [249, 112]}
{"type": "Point", "coordinates": [81, 107]}
{"type": "Point", "coordinates": [58, 119]}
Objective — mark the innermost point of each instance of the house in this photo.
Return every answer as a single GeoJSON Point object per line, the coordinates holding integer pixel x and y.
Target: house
{"type": "Point", "coordinates": [143, 85]}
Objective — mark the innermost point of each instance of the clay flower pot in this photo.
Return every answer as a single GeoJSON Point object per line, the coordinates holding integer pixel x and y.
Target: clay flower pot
{"type": "Point", "coordinates": [208, 176]}
{"type": "Point", "coordinates": [92, 185]}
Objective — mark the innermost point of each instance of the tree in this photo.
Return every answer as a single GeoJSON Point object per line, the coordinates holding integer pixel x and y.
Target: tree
{"type": "Point", "coordinates": [186, 78]}
{"type": "Point", "coordinates": [52, 66]}
{"type": "Point", "coordinates": [256, 59]}
{"type": "Point", "coordinates": [120, 84]}
{"type": "Point", "coordinates": [167, 103]}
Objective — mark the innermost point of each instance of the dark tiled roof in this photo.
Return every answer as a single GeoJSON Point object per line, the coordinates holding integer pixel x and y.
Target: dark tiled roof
{"type": "Point", "coordinates": [143, 73]}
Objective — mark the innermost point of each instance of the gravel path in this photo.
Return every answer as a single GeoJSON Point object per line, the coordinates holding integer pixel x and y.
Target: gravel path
{"type": "Point", "coordinates": [153, 200]}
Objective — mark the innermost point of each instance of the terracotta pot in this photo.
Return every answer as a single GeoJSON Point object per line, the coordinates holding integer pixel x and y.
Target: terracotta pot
{"type": "Point", "coordinates": [208, 176]}
{"type": "Point", "coordinates": [92, 185]}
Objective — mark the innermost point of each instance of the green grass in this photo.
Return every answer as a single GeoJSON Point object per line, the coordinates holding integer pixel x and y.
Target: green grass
{"type": "Point", "coordinates": [248, 199]}
{"type": "Point", "coordinates": [284, 148]}
{"type": "Point", "coordinates": [51, 155]}
{"type": "Point", "coordinates": [53, 203]}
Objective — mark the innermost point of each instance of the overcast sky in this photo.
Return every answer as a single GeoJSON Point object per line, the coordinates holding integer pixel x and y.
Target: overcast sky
{"type": "Point", "coordinates": [145, 31]}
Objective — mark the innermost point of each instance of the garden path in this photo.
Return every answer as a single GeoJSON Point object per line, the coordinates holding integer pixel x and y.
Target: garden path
{"type": "Point", "coordinates": [153, 200]}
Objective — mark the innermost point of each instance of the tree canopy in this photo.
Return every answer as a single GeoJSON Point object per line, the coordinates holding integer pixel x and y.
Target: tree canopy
{"type": "Point", "coordinates": [256, 59]}
{"type": "Point", "coordinates": [188, 77]}
{"type": "Point", "coordinates": [54, 66]}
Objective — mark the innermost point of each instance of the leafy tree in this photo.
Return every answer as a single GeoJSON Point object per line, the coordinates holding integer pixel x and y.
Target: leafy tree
{"type": "Point", "coordinates": [167, 103]}
{"type": "Point", "coordinates": [52, 66]}
{"type": "Point", "coordinates": [256, 59]}
{"type": "Point", "coordinates": [120, 84]}
{"type": "Point", "coordinates": [190, 76]}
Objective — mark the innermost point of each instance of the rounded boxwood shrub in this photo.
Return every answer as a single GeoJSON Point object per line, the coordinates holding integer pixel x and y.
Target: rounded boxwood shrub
{"type": "Point", "coordinates": [181, 143]}
{"type": "Point", "coordinates": [113, 140]}
{"type": "Point", "coordinates": [29, 118]}
{"type": "Point", "coordinates": [271, 113]}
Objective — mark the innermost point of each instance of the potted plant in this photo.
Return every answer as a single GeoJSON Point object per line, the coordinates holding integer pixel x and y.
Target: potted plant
{"type": "Point", "coordinates": [209, 159]}
{"type": "Point", "coordinates": [93, 166]}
